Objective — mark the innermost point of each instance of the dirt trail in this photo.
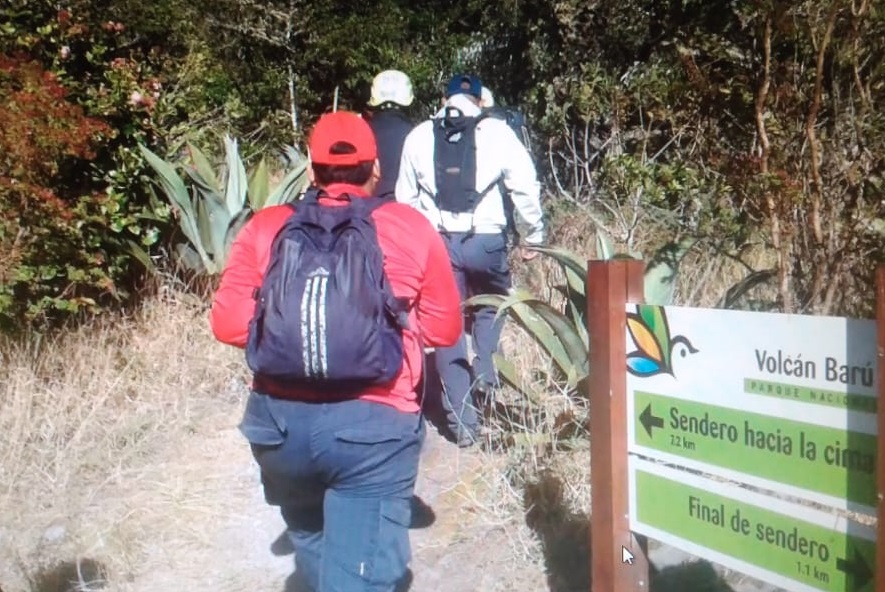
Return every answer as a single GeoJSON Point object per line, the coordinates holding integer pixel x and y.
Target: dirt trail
{"type": "Point", "coordinates": [227, 546]}
{"type": "Point", "coordinates": [236, 545]}
{"type": "Point", "coordinates": [465, 547]}
{"type": "Point", "coordinates": [196, 521]}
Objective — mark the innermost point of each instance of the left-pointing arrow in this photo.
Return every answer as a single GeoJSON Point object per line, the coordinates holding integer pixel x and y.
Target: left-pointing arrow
{"type": "Point", "coordinates": [650, 421]}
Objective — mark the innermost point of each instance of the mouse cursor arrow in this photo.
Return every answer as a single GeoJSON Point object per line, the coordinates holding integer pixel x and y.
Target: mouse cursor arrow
{"type": "Point", "coordinates": [626, 556]}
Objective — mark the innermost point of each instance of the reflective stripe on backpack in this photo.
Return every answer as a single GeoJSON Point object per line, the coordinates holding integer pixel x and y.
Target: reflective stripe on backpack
{"type": "Point", "coordinates": [313, 325]}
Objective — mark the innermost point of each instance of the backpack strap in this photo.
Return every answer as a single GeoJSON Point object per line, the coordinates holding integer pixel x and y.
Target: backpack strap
{"type": "Point", "coordinates": [311, 195]}
{"type": "Point", "coordinates": [398, 308]}
{"type": "Point", "coordinates": [515, 121]}
{"type": "Point", "coordinates": [373, 202]}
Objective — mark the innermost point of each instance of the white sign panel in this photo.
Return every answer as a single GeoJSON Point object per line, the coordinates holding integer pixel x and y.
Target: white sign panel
{"type": "Point", "coordinates": [786, 402]}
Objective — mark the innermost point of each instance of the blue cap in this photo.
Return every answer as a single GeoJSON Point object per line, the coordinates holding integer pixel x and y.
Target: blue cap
{"type": "Point", "coordinates": [464, 83]}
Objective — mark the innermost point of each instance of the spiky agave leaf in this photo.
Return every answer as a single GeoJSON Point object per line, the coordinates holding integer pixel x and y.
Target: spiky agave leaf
{"type": "Point", "coordinates": [579, 321]}
{"type": "Point", "coordinates": [289, 188]}
{"type": "Point", "coordinates": [201, 170]}
{"type": "Point", "coordinates": [507, 373]}
{"type": "Point", "coordinates": [569, 336]}
{"type": "Point", "coordinates": [237, 182]}
{"type": "Point", "coordinates": [548, 327]}
{"type": "Point", "coordinates": [572, 264]}
{"type": "Point", "coordinates": [662, 271]}
{"type": "Point", "coordinates": [205, 233]}
{"type": "Point", "coordinates": [532, 323]}
{"type": "Point", "coordinates": [188, 257]}
{"type": "Point", "coordinates": [575, 269]}
{"type": "Point", "coordinates": [259, 185]}
{"type": "Point", "coordinates": [140, 255]}
{"type": "Point", "coordinates": [213, 221]}
{"type": "Point", "coordinates": [236, 224]}
{"type": "Point", "coordinates": [177, 194]}
{"type": "Point", "coordinates": [605, 248]}
{"type": "Point", "coordinates": [293, 156]}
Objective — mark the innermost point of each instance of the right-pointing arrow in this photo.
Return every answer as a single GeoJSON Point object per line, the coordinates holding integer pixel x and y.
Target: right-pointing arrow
{"type": "Point", "coordinates": [650, 421]}
{"type": "Point", "coordinates": [857, 568]}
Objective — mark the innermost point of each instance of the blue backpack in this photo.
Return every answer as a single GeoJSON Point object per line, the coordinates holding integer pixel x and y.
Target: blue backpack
{"type": "Point", "coordinates": [326, 318]}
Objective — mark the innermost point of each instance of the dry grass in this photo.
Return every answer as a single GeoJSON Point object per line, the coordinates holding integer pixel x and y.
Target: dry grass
{"type": "Point", "coordinates": [540, 486]}
{"type": "Point", "coordinates": [110, 458]}
{"type": "Point", "coordinates": [87, 421]}
{"type": "Point", "coordinates": [96, 425]}
{"type": "Point", "coordinates": [704, 276]}
{"type": "Point", "coordinates": [534, 485]}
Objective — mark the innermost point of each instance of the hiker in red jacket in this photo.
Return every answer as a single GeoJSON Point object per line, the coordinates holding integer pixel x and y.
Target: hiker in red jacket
{"type": "Point", "coordinates": [336, 432]}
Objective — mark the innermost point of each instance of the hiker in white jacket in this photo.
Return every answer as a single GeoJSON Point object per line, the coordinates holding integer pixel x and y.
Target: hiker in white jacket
{"type": "Point", "coordinates": [455, 184]}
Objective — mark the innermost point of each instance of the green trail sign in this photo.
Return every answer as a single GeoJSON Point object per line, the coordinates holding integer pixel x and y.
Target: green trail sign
{"type": "Point", "coordinates": [788, 403]}
{"type": "Point", "coordinates": [792, 546]}
{"type": "Point", "coordinates": [812, 461]}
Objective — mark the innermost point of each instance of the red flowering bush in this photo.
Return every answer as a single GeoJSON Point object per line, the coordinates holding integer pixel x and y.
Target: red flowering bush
{"type": "Point", "coordinates": [80, 89]}
{"type": "Point", "coordinates": [47, 263]}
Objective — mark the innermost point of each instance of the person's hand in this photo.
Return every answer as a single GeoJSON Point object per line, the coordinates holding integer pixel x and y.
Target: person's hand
{"type": "Point", "coordinates": [527, 254]}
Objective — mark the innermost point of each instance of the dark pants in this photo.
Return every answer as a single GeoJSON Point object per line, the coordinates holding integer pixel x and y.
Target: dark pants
{"type": "Point", "coordinates": [480, 265]}
{"type": "Point", "coordinates": [343, 474]}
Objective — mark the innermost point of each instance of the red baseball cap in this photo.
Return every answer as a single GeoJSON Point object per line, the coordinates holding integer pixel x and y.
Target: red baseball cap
{"type": "Point", "coordinates": [347, 129]}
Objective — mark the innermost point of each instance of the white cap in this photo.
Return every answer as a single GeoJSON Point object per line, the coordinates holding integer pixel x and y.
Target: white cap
{"type": "Point", "coordinates": [391, 86]}
{"type": "Point", "coordinates": [487, 99]}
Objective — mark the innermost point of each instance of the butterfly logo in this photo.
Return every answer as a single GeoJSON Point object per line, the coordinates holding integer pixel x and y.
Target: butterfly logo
{"type": "Point", "coordinates": [654, 347]}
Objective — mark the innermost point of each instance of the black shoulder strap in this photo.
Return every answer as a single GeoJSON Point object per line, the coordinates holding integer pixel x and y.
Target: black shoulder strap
{"type": "Point", "coordinates": [310, 198]}
{"type": "Point", "coordinates": [312, 194]}
{"type": "Point", "coordinates": [367, 205]}
{"type": "Point", "coordinates": [452, 113]}
{"type": "Point", "coordinates": [454, 120]}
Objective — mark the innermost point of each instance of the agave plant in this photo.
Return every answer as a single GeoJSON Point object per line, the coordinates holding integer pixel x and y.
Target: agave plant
{"type": "Point", "coordinates": [562, 334]}
{"type": "Point", "coordinates": [215, 205]}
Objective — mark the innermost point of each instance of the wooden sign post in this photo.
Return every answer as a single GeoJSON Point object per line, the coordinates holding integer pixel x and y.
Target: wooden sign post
{"type": "Point", "coordinates": [880, 357]}
{"type": "Point", "coordinates": [619, 562]}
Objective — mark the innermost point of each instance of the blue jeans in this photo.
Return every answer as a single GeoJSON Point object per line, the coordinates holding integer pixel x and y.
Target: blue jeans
{"type": "Point", "coordinates": [479, 262]}
{"type": "Point", "coordinates": [343, 474]}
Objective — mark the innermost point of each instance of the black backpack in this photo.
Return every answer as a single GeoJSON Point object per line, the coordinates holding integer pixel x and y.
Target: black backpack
{"type": "Point", "coordinates": [454, 159]}
{"type": "Point", "coordinates": [325, 317]}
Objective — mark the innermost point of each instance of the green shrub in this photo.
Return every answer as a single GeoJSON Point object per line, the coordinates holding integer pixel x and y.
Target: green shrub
{"type": "Point", "coordinates": [82, 87]}
{"type": "Point", "coordinates": [52, 237]}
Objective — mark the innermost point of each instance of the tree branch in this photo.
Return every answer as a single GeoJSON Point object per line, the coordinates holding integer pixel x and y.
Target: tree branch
{"type": "Point", "coordinates": [811, 123]}
{"type": "Point", "coordinates": [777, 239]}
